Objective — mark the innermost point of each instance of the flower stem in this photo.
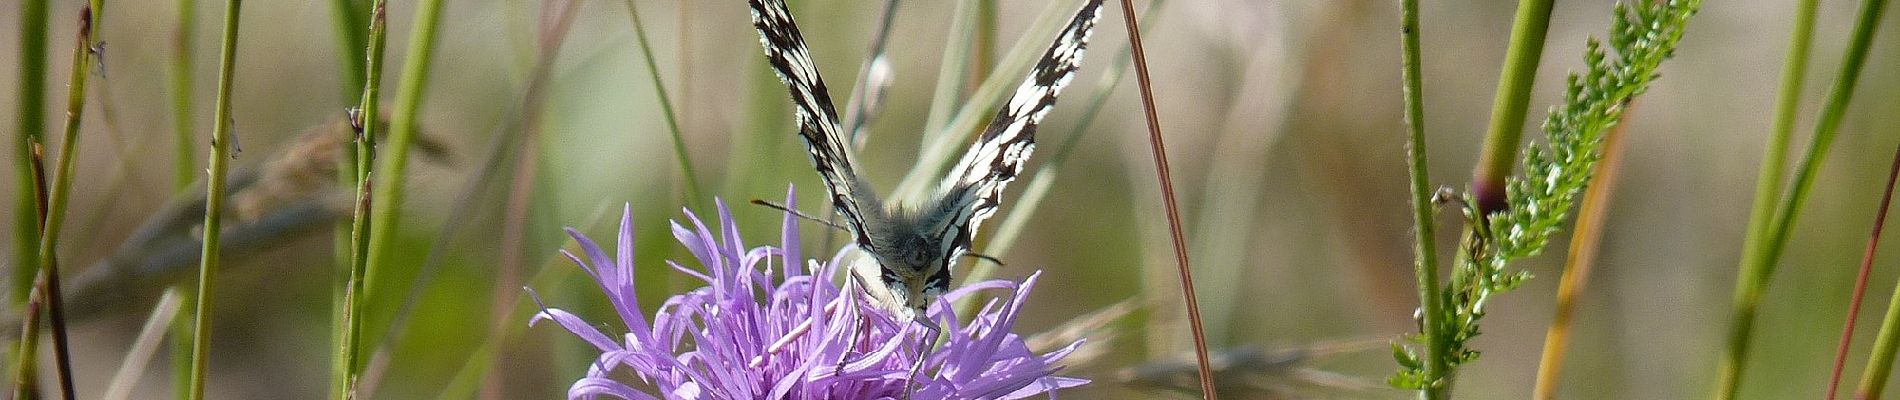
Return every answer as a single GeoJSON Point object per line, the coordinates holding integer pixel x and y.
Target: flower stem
{"type": "Point", "coordinates": [214, 200]}
{"type": "Point", "coordinates": [1425, 253]}
{"type": "Point", "coordinates": [367, 118]}
{"type": "Point", "coordinates": [1502, 139]}
{"type": "Point", "coordinates": [1160, 151]}
{"type": "Point", "coordinates": [1763, 253]}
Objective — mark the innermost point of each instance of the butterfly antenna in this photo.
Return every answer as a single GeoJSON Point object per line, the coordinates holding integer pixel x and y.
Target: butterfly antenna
{"type": "Point", "coordinates": [800, 214]}
{"type": "Point", "coordinates": [984, 257]}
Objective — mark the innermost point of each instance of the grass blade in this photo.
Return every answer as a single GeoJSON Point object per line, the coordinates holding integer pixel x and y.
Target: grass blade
{"type": "Point", "coordinates": [693, 194]}
{"type": "Point", "coordinates": [30, 129]}
{"type": "Point", "coordinates": [185, 162]}
{"type": "Point", "coordinates": [151, 335]}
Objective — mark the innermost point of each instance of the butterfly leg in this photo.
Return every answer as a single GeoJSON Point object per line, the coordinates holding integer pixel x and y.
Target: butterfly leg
{"type": "Point", "coordinates": [928, 342]}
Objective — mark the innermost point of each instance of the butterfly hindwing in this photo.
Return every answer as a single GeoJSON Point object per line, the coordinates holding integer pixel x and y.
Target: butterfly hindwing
{"type": "Point", "coordinates": [817, 118]}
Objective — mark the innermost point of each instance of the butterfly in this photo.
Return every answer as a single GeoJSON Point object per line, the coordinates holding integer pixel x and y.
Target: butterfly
{"type": "Point", "coordinates": [915, 243]}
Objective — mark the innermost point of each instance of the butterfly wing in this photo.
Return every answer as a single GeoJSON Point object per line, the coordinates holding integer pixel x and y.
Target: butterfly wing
{"type": "Point", "coordinates": [817, 118]}
{"type": "Point", "coordinates": [975, 186]}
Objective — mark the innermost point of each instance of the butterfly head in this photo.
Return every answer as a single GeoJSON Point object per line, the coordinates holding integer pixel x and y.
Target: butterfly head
{"type": "Point", "coordinates": [905, 271]}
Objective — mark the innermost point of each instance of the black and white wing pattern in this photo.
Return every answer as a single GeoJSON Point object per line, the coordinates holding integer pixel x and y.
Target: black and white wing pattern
{"type": "Point", "coordinates": [975, 186]}
{"type": "Point", "coordinates": [817, 118]}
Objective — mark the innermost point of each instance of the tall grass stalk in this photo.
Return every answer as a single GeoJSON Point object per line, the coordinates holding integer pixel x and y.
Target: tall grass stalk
{"type": "Point", "coordinates": [343, 376]}
{"type": "Point", "coordinates": [1509, 105]}
{"type": "Point", "coordinates": [386, 211]}
{"type": "Point", "coordinates": [30, 126]}
{"type": "Point", "coordinates": [1160, 151]}
{"type": "Point", "coordinates": [52, 213]}
{"type": "Point", "coordinates": [352, 31]}
{"type": "Point", "coordinates": [1761, 256]}
{"type": "Point", "coordinates": [694, 195]}
{"type": "Point", "coordinates": [951, 73]}
{"type": "Point", "coordinates": [1579, 260]}
{"type": "Point", "coordinates": [185, 160]}
{"type": "Point", "coordinates": [1860, 279]}
{"type": "Point", "coordinates": [214, 201]}
{"type": "Point", "coordinates": [1751, 279]}
{"type": "Point", "coordinates": [1424, 250]}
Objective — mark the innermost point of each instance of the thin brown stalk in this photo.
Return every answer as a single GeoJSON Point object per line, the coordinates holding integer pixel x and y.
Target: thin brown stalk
{"type": "Point", "coordinates": [514, 224]}
{"type": "Point", "coordinates": [1167, 195]}
{"type": "Point", "coordinates": [1581, 258]}
{"type": "Point", "coordinates": [1860, 280]}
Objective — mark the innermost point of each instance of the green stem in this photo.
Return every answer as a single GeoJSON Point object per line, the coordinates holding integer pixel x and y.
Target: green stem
{"type": "Point", "coordinates": [186, 163]}
{"type": "Point", "coordinates": [693, 193]}
{"type": "Point", "coordinates": [1425, 254]}
{"type": "Point", "coordinates": [53, 217]}
{"type": "Point", "coordinates": [351, 32]}
{"type": "Point", "coordinates": [214, 200]}
{"type": "Point", "coordinates": [1513, 97]}
{"type": "Point", "coordinates": [344, 374]}
{"type": "Point", "coordinates": [387, 210]}
{"type": "Point", "coordinates": [1762, 259]}
{"type": "Point", "coordinates": [30, 127]}
{"type": "Point", "coordinates": [1749, 282]}
{"type": "Point", "coordinates": [1874, 381]}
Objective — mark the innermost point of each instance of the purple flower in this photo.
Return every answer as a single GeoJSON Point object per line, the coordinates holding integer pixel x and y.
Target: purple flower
{"type": "Point", "coordinates": [752, 333]}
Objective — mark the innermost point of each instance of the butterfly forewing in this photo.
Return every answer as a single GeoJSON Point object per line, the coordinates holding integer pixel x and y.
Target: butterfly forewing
{"type": "Point", "coordinates": [975, 187]}
{"type": "Point", "coordinates": [817, 118]}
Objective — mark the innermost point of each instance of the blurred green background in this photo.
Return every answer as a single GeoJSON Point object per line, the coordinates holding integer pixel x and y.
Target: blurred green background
{"type": "Point", "coordinates": [1282, 118]}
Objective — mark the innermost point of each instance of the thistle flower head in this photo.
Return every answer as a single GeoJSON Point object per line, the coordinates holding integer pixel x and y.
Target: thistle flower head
{"type": "Point", "coordinates": [771, 325]}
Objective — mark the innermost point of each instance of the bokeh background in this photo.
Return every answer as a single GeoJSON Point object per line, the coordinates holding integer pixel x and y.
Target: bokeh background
{"type": "Point", "coordinates": [1282, 118]}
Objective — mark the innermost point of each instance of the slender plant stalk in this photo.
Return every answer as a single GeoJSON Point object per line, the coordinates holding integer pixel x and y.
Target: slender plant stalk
{"type": "Point", "coordinates": [150, 336]}
{"type": "Point", "coordinates": [1579, 260]}
{"type": "Point", "coordinates": [1502, 139]}
{"type": "Point", "coordinates": [862, 107]}
{"type": "Point", "coordinates": [1860, 279]}
{"type": "Point", "coordinates": [1160, 151]}
{"type": "Point", "coordinates": [343, 378]}
{"type": "Point", "coordinates": [951, 73]}
{"type": "Point", "coordinates": [186, 162]}
{"type": "Point", "coordinates": [53, 215]}
{"type": "Point", "coordinates": [25, 364]}
{"type": "Point", "coordinates": [983, 48]}
{"type": "Point", "coordinates": [386, 212]}
{"type": "Point", "coordinates": [1751, 279]}
{"type": "Point", "coordinates": [1424, 250]}
{"type": "Point", "coordinates": [30, 130]}
{"type": "Point", "coordinates": [214, 201]}
{"type": "Point", "coordinates": [680, 155]}
{"type": "Point", "coordinates": [514, 234]}
{"type": "Point", "coordinates": [1761, 258]}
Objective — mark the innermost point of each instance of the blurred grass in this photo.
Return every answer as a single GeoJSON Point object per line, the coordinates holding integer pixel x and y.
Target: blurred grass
{"type": "Point", "coordinates": [1322, 257]}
